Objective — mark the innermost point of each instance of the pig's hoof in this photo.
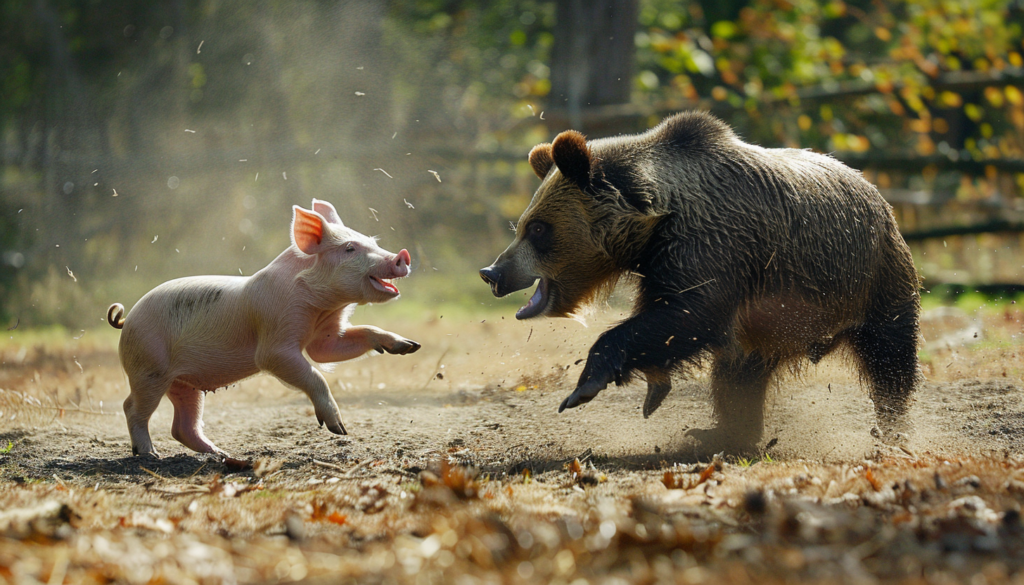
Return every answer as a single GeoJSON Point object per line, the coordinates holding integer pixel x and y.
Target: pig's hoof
{"type": "Point", "coordinates": [151, 454]}
{"type": "Point", "coordinates": [402, 347]}
{"type": "Point", "coordinates": [335, 426]}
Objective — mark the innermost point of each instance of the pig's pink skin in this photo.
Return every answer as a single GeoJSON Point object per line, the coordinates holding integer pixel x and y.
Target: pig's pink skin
{"type": "Point", "coordinates": [205, 332]}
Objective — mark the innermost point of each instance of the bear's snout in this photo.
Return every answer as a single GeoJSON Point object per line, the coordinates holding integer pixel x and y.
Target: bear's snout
{"type": "Point", "coordinates": [491, 276]}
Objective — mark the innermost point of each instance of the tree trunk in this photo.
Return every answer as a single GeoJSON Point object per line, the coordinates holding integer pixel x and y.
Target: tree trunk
{"type": "Point", "coordinates": [592, 57]}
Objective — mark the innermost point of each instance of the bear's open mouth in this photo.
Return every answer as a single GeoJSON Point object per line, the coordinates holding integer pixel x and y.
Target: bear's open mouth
{"type": "Point", "coordinates": [537, 303]}
{"type": "Point", "coordinates": [384, 285]}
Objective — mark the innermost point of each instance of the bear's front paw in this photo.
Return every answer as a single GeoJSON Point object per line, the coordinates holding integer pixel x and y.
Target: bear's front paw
{"type": "Point", "coordinates": [586, 390]}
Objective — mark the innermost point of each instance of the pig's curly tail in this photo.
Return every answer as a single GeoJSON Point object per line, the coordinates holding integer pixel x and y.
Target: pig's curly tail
{"type": "Point", "coordinates": [115, 315]}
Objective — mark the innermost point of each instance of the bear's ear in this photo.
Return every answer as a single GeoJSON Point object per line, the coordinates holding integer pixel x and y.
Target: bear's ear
{"type": "Point", "coordinates": [572, 157]}
{"type": "Point", "coordinates": [541, 160]}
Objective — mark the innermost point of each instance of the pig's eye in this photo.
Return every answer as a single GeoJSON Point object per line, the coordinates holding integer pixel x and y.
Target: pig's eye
{"type": "Point", "coordinates": [350, 248]}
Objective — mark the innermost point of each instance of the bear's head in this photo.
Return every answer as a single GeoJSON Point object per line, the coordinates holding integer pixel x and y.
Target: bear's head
{"type": "Point", "coordinates": [588, 220]}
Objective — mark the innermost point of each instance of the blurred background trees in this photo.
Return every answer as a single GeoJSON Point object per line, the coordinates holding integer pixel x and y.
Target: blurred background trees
{"type": "Point", "coordinates": [141, 141]}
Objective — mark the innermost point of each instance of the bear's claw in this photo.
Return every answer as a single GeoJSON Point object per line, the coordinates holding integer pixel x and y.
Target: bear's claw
{"type": "Point", "coordinates": [583, 394]}
{"type": "Point", "coordinates": [656, 393]}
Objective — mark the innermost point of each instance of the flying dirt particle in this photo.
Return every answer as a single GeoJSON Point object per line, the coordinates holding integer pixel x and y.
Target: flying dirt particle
{"type": "Point", "coordinates": [18, 322]}
{"type": "Point", "coordinates": [393, 135]}
{"type": "Point", "coordinates": [696, 286]}
{"type": "Point", "coordinates": [542, 114]}
{"type": "Point", "coordinates": [755, 503]}
{"type": "Point", "coordinates": [240, 271]}
{"type": "Point", "coordinates": [257, 177]}
{"type": "Point", "coordinates": [80, 335]}
{"type": "Point", "coordinates": [407, 204]}
{"type": "Point", "coordinates": [285, 175]}
{"type": "Point", "coordinates": [190, 131]}
{"type": "Point", "coordinates": [360, 93]}
{"type": "Point", "coordinates": [436, 175]}
{"type": "Point", "coordinates": [71, 274]}
{"type": "Point", "coordinates": [374, 212]}
{"type": "Point", "coordinates": [200, 47]}
{"type": "Point", "coordinates": [385, 172]}
{"type": "Point", "coordinates": [155, 238]}
{"type": "Point", "coordinates": [669, 340]}
{"type": "Point", "coordinates": [80, 368]}
{"type": "Point", "coordinates": [317, 152]}
{"type": "Point", "coordinates": [115, 193]}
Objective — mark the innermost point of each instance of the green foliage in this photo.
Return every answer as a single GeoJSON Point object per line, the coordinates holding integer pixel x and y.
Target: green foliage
{"type": "Point", "coordinates": [7, 449]}
{"type": "Point", "coordinates": [468, 61]}
{"type": "Point", "coordinates": [902, 52]}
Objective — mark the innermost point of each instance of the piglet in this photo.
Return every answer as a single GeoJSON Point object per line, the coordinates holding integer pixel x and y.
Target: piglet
{"type": "Point", "coordinates": [196, 334]}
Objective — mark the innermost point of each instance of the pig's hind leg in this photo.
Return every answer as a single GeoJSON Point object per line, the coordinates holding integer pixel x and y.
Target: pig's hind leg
{"type": "Point", "coordinates": [145, 395]}
{"type": "Point", "coordinates": [187, 427]}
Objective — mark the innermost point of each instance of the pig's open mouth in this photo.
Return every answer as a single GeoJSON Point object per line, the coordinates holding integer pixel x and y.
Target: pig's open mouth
{"type": "Point", "coordinates": [384, 285]}
{"type": "Point", "coordinates": [537, 303]}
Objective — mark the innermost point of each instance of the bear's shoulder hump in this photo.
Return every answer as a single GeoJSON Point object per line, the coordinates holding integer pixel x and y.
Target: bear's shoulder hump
{"type": "Point", "coordinates": [694, 130]}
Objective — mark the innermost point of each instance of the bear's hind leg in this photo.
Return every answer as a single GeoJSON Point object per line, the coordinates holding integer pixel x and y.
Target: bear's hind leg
{"type": "Point", "coordinates": [886, 347]}
{"type": "Point", "coordinates": [739, 385]}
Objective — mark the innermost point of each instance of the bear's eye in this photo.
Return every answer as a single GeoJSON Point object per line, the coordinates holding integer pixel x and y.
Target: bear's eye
{"type": "Point", "coordinates": [350, 247]}
{"type": "Point", "coordinates": [539, 234]}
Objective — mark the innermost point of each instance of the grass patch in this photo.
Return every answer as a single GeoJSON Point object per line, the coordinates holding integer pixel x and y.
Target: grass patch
{"type": "Point", "coordinates": [53, 336]}
{"type": "Point", "coordinates": [972, 298]}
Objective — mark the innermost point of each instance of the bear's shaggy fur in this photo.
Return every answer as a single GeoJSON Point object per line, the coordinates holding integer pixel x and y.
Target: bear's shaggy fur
{"type": "Point", "coordinates": [750, 256]}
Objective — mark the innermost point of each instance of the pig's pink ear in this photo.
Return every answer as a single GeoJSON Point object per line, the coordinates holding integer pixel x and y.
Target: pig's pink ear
{"type": "Point", "coordinates": [307, 230]}
{"type": "Point", "coordinates": [327, 210]}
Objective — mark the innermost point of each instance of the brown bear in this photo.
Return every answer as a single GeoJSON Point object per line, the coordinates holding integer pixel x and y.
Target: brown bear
{"type": "Point", "coordinates": [753, 257]}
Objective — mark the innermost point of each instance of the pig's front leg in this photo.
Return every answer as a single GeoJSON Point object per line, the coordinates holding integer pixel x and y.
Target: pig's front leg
{"type": "Point", "coordinates": [356, 341]}
{"type": "Point", "coordinates": [295, 371]}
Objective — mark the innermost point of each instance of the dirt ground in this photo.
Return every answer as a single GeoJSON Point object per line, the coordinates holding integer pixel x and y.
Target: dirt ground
{"type": "Point", "coordinates": [458, 469]}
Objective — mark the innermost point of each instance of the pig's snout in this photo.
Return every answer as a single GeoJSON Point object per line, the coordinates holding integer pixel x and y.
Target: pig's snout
{"type": "Point", "coordinates": [403, 264]}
